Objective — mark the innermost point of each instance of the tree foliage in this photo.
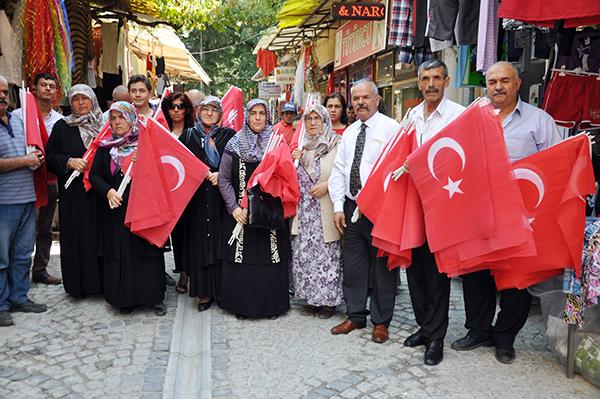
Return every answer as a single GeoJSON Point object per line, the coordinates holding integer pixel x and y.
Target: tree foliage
{"type": "Point", "coordinates": [235, 31]}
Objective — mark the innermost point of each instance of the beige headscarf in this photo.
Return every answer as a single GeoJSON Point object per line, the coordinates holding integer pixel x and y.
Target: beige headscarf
{"type": "Point", "coordinates": [317, 146]}
{"type": "Point", "coordinates": [89, 124]}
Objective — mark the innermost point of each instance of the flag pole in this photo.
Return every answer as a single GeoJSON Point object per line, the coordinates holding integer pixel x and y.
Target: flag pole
{"type": "Point", "coordinates": [125, 180]}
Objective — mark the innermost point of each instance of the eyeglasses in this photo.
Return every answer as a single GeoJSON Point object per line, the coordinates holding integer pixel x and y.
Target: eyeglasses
{"type": "Point", "coordinates": [312, 119]}
{"type": "Point", "coordinates": [177, 106]}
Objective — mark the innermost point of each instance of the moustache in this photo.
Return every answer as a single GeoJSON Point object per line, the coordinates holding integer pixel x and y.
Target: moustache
{"type": "Point", "coordinates": [3, 101]}
{"type": "Point", "coordinates": [365, 107]}
{"type": "Point", "coordinates": [432, 91]}
{"type": "Point", "coordinates": [499, 92]}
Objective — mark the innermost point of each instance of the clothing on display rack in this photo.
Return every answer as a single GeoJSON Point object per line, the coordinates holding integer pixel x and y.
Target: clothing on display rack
{"type": "Point", "coordinates": [443, 21]}
{"type": "Point", "coordinates": [549, 12]}
{"type": "Point", "coordinates": [573, 98]}
{"type": "Point", "coordinates": [578, 49]}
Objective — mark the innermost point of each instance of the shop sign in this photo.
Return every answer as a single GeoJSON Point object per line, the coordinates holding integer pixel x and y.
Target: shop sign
{"type": "Point", "coordinates": [269, 90]}
{"type": "Point", "coordinates": [358, 11]}
{"type": "Point", "coordinates": [356, 40]}
{"type": "Point", "coordinates": [285, 75]}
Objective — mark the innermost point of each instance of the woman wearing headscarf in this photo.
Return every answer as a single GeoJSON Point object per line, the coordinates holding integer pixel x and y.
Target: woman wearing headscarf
{"type": "Point", "coordinates": [255, 267]}
{"type": "Point", "coordinates": [79, 253]}
{"type": "Point", "coordinates": [316, 250]}
{"type": "Point", "coordinates": [134, 270]}
{"type": "Point", "coordinates": [197, 235]}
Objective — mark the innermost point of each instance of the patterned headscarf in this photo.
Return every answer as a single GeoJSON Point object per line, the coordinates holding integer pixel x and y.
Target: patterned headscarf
{"type": "Point", "coordinates": [250, 146]}
{"type": "Point", "coordinates": [123, 146]}
{"type": "Point", "coordinates": [211, 100]}
{"type": "Point", "coordinates": [317, 146]}
{"type": "Point", "coordinates": [89, 124]}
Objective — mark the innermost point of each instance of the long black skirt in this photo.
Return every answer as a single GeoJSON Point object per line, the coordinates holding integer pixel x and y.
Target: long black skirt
{"type": "Point", "coordinates": [255, 291]}
{"type": "Point", "coordinates": [134, 281]}
{"type": "Point", "coordinates": [206, 281]}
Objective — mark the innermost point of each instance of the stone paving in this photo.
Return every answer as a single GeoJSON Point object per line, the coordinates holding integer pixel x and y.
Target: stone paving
{"type": "Point", "coordinates": [84, 349]}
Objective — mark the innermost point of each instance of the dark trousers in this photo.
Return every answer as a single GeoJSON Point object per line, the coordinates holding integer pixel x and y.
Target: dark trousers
{"type": "Point", "coordinates": [43, 237]}
{"type": "Point", "coordinates": [429, 294]}
{"type": "Point", "coordinates": [479, 292]}
{"type": "Point", "coordinates": [361, 265]}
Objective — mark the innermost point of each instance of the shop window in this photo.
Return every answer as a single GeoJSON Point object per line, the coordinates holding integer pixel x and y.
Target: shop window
{"type": "Point", "coordinates": [385, 69]}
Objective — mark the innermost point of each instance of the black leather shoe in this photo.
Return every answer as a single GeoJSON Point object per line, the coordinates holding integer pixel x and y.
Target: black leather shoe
{"type": "Point", "coordinates": [28, 307]}
{"type": "Point", "coordinates": [5, 319]}
{"type": "Point", "coordinates": [434, 352]}
{"type": "Point", "coordinates": [202, 306]}
{"type": "Point", "coordinates": [505, 355]}
{"type": "Point", "coordinates": [159, 309]}
{"type": "Point", "coordinates": [469, 342]}
{"type": "Point", "coordinates": [416, 339]}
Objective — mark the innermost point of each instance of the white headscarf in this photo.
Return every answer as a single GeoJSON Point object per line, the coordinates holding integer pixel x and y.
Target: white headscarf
{"type": "Point", "coordinates": [317, 146]}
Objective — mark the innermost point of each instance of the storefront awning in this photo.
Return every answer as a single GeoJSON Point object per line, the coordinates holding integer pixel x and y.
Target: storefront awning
{"type": "Point", "coordinates": [162, 41]}
{"type": "Point", "coordinates": [297, 23]}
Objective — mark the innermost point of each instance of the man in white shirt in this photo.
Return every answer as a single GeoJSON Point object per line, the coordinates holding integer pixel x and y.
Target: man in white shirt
{"type": "Point", "coordinates": [45, 89]}
{"type": "Point", "coordinates": [361, 145]}
{"type": "Point", "coordinates": [430, 289]}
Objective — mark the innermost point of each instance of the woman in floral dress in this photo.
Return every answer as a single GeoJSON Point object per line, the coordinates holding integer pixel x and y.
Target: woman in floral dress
{"type": "Point", "coordinates": [316, 249]}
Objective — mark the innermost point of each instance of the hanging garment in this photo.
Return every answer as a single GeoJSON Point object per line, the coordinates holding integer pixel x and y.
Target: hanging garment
{"type": "Point", "coordinates": [579, 50]}
{"type": "Point", "coordinates": [401, 24]}
{"type": "Point", "coordinates": [266, 60]}
{"type": "Point", "coordinates": [487, 37]}
{"type": "Point", "coordinates": [549, 12]}
{"type": "Point", "coordinates": [110, 34]}
{"type": "Point", "coordinates": [443, 20]}
{"type": "Point", "coordinates": [573, 100]}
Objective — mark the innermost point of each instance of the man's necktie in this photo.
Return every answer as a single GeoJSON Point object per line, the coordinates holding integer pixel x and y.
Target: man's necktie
{"type": "Point", "coordinates": [355, 183]}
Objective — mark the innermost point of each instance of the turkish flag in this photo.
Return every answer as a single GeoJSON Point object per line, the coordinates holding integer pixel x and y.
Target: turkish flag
{"type": "Point", "coordinates": [298, 135]}
{"type": "Point", "coordinates": [90, 154]}
{"type": "Point", "coordinates": [165, 177]}
{"type": "Point", "coordinates": [36, 136]}
{"type": "Point", "coordinates": [501, 230]}
{"type": "Point", "coordinates": [159, 115]}
{"type": "Point", "coordinates": [553, 185]}
{"type": "Point", "coordinates": [276, 175]}
{"type": "Point", "coordinates": [451, 177]}
{"type": "Point", "coordinates": [233, 108]}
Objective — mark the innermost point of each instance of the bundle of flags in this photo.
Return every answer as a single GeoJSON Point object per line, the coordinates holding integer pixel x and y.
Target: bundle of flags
{"type": "Point", "coordinates": [36, 138]}
{"type": "Point", "coordinates": [382, 196]}
{"type": "Point", "coordinates": [523, 221]}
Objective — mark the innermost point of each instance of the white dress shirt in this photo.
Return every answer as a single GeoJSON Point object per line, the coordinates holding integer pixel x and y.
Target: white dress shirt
{"type": "Point", "coordinates": [380, 129]}
{"type": "Point", "coordinates": [445, 113]}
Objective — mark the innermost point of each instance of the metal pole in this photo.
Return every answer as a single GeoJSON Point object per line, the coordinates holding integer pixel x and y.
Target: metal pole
{"type": "Point", "coordinates": [571, 351]}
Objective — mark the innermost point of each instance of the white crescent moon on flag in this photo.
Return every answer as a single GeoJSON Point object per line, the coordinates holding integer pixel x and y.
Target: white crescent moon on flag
{"type": "Point", "coordinates": [386, 182]}
{"type": "Point", "coordinates": [176, 163]}
{"type": "Point", "coordinates": [577, 168]}
{"type": "Point", "coordinates": [444, 142]}
{"type": "Point", "coordinates": [530, 175]}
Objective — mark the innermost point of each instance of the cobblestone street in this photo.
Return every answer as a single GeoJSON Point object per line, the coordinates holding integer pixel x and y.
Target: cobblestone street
{"type": "Point", "coordinates": [84, 349]}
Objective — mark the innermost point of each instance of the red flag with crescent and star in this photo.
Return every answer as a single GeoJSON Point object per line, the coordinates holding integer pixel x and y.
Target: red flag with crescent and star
{"type": "Point", "coordinates": [553, 184]}
{"type": "Point", "coordinates": [501, 230]}
{"type": "Point", "coordinates": [451, 177]}
{"type": "Point", "coordinates": [165, 177]}
{"type": "Point", "coordinates": [233, 109]}
{"type": "Point", "coordinates": [36, 136]}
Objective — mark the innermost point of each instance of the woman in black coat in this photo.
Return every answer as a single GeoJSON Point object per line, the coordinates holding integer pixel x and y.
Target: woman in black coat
{"type": "Point", "coordinates": [80, 258]}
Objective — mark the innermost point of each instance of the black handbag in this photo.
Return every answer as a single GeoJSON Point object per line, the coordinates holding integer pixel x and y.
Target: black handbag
{"type": "Point", "coordinates": [264, 210]}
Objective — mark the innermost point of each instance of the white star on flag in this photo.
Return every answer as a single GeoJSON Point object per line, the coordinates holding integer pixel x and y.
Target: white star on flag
{"type": "Point", "coordinates": [453, 187]}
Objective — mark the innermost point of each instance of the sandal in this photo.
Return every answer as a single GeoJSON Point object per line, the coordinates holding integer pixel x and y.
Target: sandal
{"type": "Point", "coordinates": [309, 310]}
{"type": "Point", "coordinates": [182, 283]}
{"type": "Point", "coordinates": [326, 312]}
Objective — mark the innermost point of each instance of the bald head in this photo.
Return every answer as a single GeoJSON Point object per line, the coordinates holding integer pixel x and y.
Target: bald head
{"type": "Point", "coordinates": [121, 93]}
{"type": "Point", "coordinates": [503, 84]}
{"type": "Point", "coordinates": [195, 97]}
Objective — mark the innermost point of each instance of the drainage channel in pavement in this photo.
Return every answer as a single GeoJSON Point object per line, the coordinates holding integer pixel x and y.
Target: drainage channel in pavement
{"type": "Point", "coordinates": [189, 368]}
